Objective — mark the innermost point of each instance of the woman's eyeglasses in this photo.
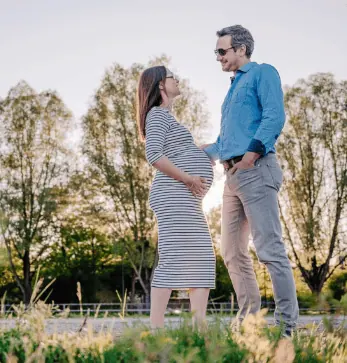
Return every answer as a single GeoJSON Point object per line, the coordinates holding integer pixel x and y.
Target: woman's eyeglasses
{"type": "Point", "coordinates": [173, 76]}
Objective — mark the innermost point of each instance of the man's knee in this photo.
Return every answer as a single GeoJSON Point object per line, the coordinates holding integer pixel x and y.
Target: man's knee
{"type": "Point", "coordinates": [227, 249]}
{"type": "Point", "coordinates": [268, 252]}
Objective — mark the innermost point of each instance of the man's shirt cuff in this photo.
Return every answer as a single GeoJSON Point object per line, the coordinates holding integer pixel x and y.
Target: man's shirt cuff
{"type": "Point", "coordinates": [212, 151]}
{"type": "Point", "coordinates": [256, 146]}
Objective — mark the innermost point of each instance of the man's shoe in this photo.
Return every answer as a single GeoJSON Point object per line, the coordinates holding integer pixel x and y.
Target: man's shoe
{"type": "Point", "coordinates": [287, 332]}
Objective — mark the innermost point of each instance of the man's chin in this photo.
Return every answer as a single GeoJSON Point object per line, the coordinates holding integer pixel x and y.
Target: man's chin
{"type": "Point", "coordinates": [226, 68]}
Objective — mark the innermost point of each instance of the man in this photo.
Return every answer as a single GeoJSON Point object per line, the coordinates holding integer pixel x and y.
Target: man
{"type": "Point", "coordinates": [252, 119]}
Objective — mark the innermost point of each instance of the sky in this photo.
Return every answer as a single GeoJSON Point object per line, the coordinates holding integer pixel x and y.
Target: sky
{"type": "Point", "coordinates": [67, 45]}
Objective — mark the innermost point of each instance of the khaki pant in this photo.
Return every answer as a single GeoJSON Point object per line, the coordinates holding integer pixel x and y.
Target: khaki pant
{"type": "Point", "coordinates": [250, 205]}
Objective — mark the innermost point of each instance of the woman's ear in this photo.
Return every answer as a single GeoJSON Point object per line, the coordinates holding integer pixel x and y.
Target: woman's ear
{"type": "Point", "coordinates": [161, 86]}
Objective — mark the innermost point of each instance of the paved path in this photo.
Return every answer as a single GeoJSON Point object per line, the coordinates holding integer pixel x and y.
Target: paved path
{"type": "Point", "coordinates": [116, 325]}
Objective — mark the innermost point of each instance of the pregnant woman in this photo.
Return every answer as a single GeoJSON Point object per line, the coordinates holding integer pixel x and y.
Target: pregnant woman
{"type": "Point", "coordinates": [184, 175]}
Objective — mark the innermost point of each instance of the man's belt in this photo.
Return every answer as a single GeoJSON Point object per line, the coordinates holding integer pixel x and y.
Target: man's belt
{"type": "Point", "coordinates": [231, 162]}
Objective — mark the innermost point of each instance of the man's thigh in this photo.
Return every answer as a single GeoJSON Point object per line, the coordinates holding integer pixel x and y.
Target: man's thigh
{"type": "Point", "coordinates": [258, 189]}
{"type": "Point", "coordinates": [234, 226]}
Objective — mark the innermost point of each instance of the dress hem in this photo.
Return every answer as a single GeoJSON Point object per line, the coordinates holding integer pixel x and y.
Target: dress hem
{"type": "Point", "coordinates": [184, 288]}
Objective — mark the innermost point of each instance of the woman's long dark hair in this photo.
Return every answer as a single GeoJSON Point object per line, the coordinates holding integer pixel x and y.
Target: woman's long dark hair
{"type": "Point", "coordinates": [148, 95]}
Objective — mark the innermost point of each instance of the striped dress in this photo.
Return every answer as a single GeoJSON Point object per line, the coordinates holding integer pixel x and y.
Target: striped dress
{"type": "Point", "coordinates": [186, 255]}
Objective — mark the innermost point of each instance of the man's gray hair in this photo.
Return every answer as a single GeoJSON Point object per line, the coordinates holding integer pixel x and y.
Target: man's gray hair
{"type": "Point", "coordinates": [239, 36]}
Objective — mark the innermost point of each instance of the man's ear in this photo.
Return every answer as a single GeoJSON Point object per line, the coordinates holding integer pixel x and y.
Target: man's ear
{"type": "Point", "coordinates": [243, 49]}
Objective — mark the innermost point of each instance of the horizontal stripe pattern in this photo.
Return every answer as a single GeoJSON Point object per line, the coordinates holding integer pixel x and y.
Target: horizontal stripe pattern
{"type": "Point", "coordinates": [186, 255]}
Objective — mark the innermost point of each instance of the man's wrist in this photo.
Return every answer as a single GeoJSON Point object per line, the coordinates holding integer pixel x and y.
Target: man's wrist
{"type": "Point", "coordinates": [250, 157]}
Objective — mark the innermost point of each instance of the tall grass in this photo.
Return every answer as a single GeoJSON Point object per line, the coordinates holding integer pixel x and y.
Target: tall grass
{"type": "Point", "coordinates": [252, 341]}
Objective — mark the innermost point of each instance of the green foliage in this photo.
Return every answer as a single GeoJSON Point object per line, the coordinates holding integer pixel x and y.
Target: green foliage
{"type": "Point", "coordinates": [224, 287]}
{"type": "Point", "coordinates": [81, 255]}
{"type": "Point", "coordinates": [12, 342]}
{"type": "Point", "coordinates": [307, 300]}
{"type": "Point", "coordinates": [343, 303]}
{"type": "Point", "coordinates": [33, 162]}
{"type": "Point", "coordinates": [56, 354]}
{"type": "Point", "coordinates": [313, 154]}
{"type": "Point", "coordinates": [123, 351]}
{"type": "Point", "coordinates": [338, 285]}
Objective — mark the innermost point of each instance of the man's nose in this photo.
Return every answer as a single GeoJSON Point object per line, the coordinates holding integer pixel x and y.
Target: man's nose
{"type": "Point", "coordinates": [219, 58]}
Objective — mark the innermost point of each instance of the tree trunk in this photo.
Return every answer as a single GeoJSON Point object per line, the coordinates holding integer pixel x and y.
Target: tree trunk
{"type": "Point", "coordinates": [27, 278]}
{"type": "Point", "coordinates": [94, 275]}
{"type": "Point", "coordinates": [148, 288]}
{"type": "Point", "coordinates": [316, 276]}
{"type": "Point", "coordinates": [133, 282]}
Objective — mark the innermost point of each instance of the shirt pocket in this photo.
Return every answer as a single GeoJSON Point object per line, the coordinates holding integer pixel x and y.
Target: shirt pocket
{"type": "Point", "coordinates": [240, 94]}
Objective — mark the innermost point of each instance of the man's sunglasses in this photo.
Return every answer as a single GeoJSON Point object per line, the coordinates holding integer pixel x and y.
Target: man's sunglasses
{"type": "Point", "coordinates": [222, 51]}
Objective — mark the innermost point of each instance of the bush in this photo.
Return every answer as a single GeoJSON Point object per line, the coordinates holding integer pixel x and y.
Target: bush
{"type": "Point", "coordinates": [11, 342]}
{"type": "Point", "coordinates": [338, 285]}
{"type": "Point", "coordinates": [307, 301]}
{"type": "Point", "coordinates": [224, 287]}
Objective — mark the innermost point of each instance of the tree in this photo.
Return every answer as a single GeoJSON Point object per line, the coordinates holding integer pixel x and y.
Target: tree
{"type": "Point", "coordinates": [116, 157]}
{"type": "Point", "coordinates": [313, 153]}
{"type": "Point", "coordinates": [81, 255]}
{"type": "Point", "coordinates": [83, 251]}
{"type": "Point", "coordinates": [32, 165]}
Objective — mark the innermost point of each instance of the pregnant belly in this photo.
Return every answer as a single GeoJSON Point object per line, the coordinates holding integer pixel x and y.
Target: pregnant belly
{"type": "Point", "coordinates": [202, 169]}
{"type": "Point", "coordinates": [194, 162]}
{"type": "Point", "coordinates": [195, 165]}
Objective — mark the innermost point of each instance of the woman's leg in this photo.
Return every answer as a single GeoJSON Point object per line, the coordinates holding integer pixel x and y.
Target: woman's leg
{"type": "Point", "coordinates": [198, 304]}
{"type": "Point", "coordinates": [159, 299]}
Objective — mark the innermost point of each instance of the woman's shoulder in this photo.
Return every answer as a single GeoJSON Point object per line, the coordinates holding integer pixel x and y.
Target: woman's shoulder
{"type": "Point", "coordinates": [157, 110]}
{"type": "Point", "coordinates": [162, 113]}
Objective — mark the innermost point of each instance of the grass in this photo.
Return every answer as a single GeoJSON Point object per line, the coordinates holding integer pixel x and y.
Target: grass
{"type": "Point", "coordinates": [252, 341]}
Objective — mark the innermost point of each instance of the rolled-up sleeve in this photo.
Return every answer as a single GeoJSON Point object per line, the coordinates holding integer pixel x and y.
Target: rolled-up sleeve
{"type": "Point", "coordinates": [157, 126]}
{"type": "Point", "coordinates": [273, 115]}
{"type": "Point", "coordinates": [212, 150]}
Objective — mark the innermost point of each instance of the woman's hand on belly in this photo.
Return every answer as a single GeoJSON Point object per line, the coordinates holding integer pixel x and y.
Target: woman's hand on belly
{"type": "Point", "coordinates": [196, 184]}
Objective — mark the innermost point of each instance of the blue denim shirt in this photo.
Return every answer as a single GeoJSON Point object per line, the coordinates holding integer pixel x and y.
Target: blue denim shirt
{"type": "Point", "coordinates": [252, 113]}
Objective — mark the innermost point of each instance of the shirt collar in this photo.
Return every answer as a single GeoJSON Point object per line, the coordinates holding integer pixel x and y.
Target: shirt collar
{"type": "Point", "coordinates": [246, 67]}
